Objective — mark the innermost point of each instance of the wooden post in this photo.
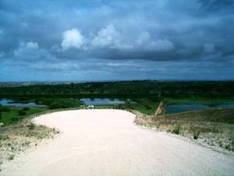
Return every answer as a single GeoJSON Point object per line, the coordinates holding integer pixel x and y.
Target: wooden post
{"type": "Point", "coordinates": [160, 109]}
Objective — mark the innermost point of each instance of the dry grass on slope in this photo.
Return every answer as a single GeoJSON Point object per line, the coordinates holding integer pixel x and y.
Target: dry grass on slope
{"type": "Point", "coordinates": [16, 138]}
{"type": "Point", "coordinates": [213, 127]}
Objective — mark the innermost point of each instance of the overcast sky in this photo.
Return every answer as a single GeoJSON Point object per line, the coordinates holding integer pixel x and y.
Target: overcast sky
{"type": "Point", "coordinates": [85, 40]}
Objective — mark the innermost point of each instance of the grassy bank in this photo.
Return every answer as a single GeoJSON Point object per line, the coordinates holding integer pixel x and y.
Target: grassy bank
{"type": "Point", "coordinates": [14, 115]}
{"type": "Point", "coordinates": [213, 127]}
{"type": "Point", "coordinates": [17, 137]}
{"type": "Point", "coordinates": [17, 132]}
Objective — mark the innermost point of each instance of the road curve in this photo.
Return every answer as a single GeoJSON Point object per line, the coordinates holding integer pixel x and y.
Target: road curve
{"type": "Point", "coordinates": [108, 143]}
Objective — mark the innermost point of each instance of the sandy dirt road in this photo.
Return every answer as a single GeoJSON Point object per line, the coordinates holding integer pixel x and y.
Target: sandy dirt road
{"type": "Point", "coordinates": [108, 143]}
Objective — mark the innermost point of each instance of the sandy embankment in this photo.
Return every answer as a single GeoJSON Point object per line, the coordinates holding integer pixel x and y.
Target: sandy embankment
{"type": "Point", "coordinates": [107, 143]}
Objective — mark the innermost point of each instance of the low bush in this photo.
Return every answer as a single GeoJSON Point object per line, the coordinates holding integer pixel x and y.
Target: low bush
{"type": "Point", "coordinates": [15, 119]}
{"type": "Point", "coordinates": [22, 112]}
{"type": "Point", "coordinates": [11, 157]}
{"type": "Point", "coordinates": [177, 129]}
{"type": "Point", "coordinates": [4, 108]}
{"type": "Point", "coordinates": [196, 134]}
{"type": "Point", "coordinates": [31, 126]}
{"type": "Point", "coordinates": [147, 106]}
{"type": "Point", "coordinates": [26, 109]}
{"type": "Point", "coordinates": [62, 103]}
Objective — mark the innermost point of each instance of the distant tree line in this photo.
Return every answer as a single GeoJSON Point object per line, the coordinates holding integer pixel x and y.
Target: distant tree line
{"type": "Point", "coordinates": [125, 89]}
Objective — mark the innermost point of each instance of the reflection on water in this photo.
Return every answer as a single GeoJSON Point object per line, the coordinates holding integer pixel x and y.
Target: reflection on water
{"type": "Point", "coordinates": [227, 105]}
{"type": "Point", "coordinates": [101, 101]}
{"type": "Point", "coordinates": [176, 108]}
{"type": "Point", "coordinates": [12, 103]}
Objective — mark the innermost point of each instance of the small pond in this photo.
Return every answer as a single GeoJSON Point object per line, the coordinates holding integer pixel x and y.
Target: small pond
{"type": "Point", "coordinates": [12, 103]}
{"type": "Point", "coordinates": [226, 105]}
{"type": "Point", "coordinates": [102, 101]}
{"type": "Point", "coordinates": [176, 108]}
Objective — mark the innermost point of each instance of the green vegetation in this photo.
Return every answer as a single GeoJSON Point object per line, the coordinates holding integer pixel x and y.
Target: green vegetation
{"type": "Point", "coordinates": [11, 115]}
{"type": "Point", "coordinates": [58, 103]}
{"type": "Point", "coordinates": [14, 115]}
{"type": "Point", "coordinates": [143, 105]}
{"type": "Point", "coordinates": [215, 126]}
{"type": "Point", "coordinates": [145, 94]}
{"type": "Point", "coordinates": [125, 89]}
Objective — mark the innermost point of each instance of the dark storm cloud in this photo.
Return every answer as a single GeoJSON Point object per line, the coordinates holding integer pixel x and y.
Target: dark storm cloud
{"type": "Point", "coordinates": [77, 32]}
{"type": "Point", "coordinates": [217, 4]}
